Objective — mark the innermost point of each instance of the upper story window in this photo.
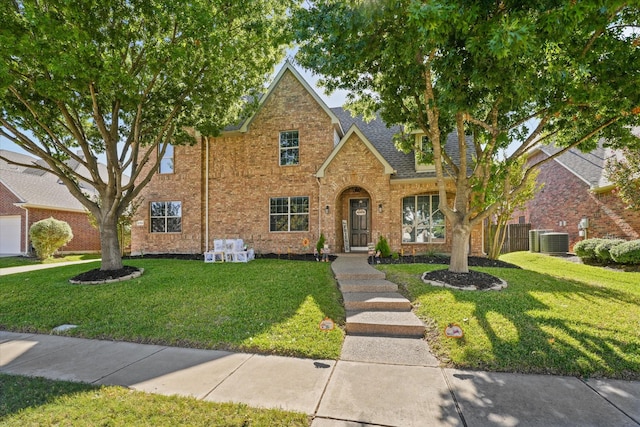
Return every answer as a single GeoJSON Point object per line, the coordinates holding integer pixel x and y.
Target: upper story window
{"type": "Point", "coordinates": [289, 214]}
{"type": "Point", "coordinates": [422, 221]}
{"type": "Point", "coordinates": [166, 164]}
{"type": "Point", "coordinates": [289, 148]}
{"type": "Point", "coordinates": [166, 217]}
{"type": "Point", "coordinates": [424, 154]}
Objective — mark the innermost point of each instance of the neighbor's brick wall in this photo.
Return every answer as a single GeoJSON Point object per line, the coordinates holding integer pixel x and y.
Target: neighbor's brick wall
{"type": "Point", "coordinates": [85, 237]}
{"type": "Point", "coordinates": [565, 197]}
{"type": "Point", "coordinates": [7, 208]}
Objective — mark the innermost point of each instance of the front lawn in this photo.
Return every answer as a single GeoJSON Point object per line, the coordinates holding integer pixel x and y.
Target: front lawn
{"type": "Point", "coordinates": [555, 317]}
{"type": "Point", "coordinates": [265, 306]}
{"type": "Point", "coordinates": [40, 402]}
{"type": "Point", "coordinates": [19, 261]}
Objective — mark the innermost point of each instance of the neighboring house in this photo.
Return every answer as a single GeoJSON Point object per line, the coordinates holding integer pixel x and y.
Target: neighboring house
{"type": "Point", "coordinates": [28, 195]}
{"type": "Point", "coordinates": [577, 198]}
{"type": "Point", "coordinates": [293, 170]}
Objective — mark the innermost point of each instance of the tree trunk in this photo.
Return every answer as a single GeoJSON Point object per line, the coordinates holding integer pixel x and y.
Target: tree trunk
{"type": "Point", "coordinates": [110, 246]}
{"type": "Point", "coordinates": [460, 248]}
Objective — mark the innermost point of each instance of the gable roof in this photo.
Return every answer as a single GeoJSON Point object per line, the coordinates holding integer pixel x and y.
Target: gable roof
{"type": "Point", "coordinates": [388, 169]}
{"type": "Point", "coordinates": [589, 167]}
{"type": "Point", "coordinates": [36, 188]}
{"type": "Point", "coordinates": [287, 67]}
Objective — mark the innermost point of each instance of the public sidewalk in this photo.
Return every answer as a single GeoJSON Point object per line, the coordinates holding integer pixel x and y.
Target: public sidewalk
{"type": "Point", "coordinates": [337, 393]}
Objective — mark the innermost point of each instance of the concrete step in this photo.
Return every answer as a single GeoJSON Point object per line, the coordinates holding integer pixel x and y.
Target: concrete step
{"type": "Point", "coordinates": [373, 274]}
{"type": "Point", "coordinates": [375, 301]}
{"type": "Point", "coordinates": [372, 285]}
{"type": "Point", "coordinates": [384, 323]}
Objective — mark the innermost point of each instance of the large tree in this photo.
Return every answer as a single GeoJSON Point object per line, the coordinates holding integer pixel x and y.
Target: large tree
{"type": "Point", "coordinates": [497, 73]}
{"type": "Point", "coordinates": [121, 79]}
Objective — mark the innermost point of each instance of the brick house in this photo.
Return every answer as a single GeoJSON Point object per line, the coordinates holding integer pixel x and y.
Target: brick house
{"type": "Point", "coordinates": [28, 195]}
{"type": "Point", "coordinates": [576, 188]}
{"type": "Point", "coordinates": [293, 170]}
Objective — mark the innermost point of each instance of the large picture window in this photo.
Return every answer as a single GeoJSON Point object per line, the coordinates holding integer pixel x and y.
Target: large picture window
{"type": "Point", "coordinates": [166, 164]}
{"type": "Point", "coordinates": [166, 217]}
{"type": "Point", "coordinates": [422, 221]}
{"type": "Point", "coordinates": [289, 148]}
{"type": "Point", "coordinates": [289, 214]}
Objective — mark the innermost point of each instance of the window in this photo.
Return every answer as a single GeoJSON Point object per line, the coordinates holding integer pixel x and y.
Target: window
{"type": "Point", "coordinates": [289, 148]}
{"type": "Point", "coordinates": [424, 156]}
{"type": "Point", "coordinates": [166, 217]}
{"type": "Point", "coordinates": [422, 221]}
{"type": "Point", "coordinates": [166, 162]}
{"type": "Point", "coordinates": [289, 214]}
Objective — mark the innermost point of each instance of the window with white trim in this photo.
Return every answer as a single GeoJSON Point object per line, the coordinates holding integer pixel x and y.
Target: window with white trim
{"type": "Point", "coordinates": [166, 217]}
{"type": "Point", "coordinates": [289, 148]}
{"type": "Point", "coordinates": [422, 221]}
{"type": "Point", "coordinates": [288, 214]}
{"type": "Point", "coordinates": [166, 163]}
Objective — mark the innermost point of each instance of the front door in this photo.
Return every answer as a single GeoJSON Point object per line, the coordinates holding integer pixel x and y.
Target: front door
{"type": "Point", "coordinates": [360, 229]}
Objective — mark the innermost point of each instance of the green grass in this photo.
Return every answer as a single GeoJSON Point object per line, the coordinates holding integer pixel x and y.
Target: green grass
{"type": "Point", "coordinates": [19, 261]}
{"type": "Point", "coordinates": [555, 317]}
{"type": "Point", "coordinates": [39, 402]}
{"type": "Point", "coordinates": [265, 306]}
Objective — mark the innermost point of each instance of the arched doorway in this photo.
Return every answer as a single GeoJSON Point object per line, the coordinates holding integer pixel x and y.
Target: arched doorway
{"type": "Point", "coordinates": [355, 203]}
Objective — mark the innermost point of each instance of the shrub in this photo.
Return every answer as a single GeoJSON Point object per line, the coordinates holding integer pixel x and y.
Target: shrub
{"type": "Point", "coordinates": [626, 253]}
{"type": "Point", "coordinates": [48, 235]}
{"type": "Point", "coordinates": [586, 249]}
{"type": "Point", "coordinates": [320, 243]}
{"type": "Point", "coordinates": [602, 250]}
{"type": "Point", "coordinates": [383, 247]}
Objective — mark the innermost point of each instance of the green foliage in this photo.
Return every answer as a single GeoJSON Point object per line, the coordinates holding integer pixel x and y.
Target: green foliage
{"type": "Point", "coordinates": [498, 74]}
{"type": "Point", "coordinates": [320, 243]}
{"type": "Point", "coordinates": [603, 249]}
{"type": "Point", "coordinates": [626, 253]}
{"type": "Point", "coordinates": [624, 172]}
{"type": "Point", "coordinates": [383, 247]}
{"type": "Point", "coordinates": [125, 79]}
{"type": "Point", "coordinates": [395, 256]}
{"type": "Point", "coordinates": [586, 249]}
{"type": "Point", "coordinates": [48, 235]}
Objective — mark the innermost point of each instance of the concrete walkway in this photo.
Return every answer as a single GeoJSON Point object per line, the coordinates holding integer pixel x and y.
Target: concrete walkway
{"type": "Point", "coordinates": [379, 381]}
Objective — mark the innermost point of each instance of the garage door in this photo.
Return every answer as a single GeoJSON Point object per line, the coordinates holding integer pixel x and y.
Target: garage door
{"type": "Point", "coordinates": [10, 235]}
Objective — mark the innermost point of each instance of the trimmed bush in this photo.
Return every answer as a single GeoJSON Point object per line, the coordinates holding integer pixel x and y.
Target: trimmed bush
{"type": "Point", "coordinates": [586, 249]}
{"type": "Point", "coordinates": [626, 253]}
{"type": "Point", "coordinates": [48, 235]}
{"type": "Point", "coordinates": [320, 243]}
{"type": "Point", "coordinates": [602, 250]}
{"type": "Point", "coordinates": [383, 247]}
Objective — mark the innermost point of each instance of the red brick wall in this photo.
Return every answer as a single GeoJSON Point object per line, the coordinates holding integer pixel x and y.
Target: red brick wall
{"type": "Point", "coordinates": [565, 198]}
{"type": "Point", "coordinates": [244, 173]}
{"type": "Point", "coordinates": [85, 237]}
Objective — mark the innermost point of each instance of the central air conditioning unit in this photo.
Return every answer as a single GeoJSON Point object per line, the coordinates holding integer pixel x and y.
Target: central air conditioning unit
{"type": "Point", "coordinates": [554, 243]}
{"type": "Point", "coordinates": [534, 239]}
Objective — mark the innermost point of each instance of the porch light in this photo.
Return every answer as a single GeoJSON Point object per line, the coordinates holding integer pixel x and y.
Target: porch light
{"type": "Point", "coordinates": [380, 207]}
{"type": "Point", "coordinates": [326, 209]}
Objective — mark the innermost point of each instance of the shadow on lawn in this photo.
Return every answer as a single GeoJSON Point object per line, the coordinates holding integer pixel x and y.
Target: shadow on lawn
{"type": "Point", "coordinates": [554, 335]}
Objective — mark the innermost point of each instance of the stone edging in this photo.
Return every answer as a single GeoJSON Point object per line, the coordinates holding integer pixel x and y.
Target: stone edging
{"type": "Point", "coordinates": [497, 287]}
{"type": "Point", "coordinates": [119, 279]}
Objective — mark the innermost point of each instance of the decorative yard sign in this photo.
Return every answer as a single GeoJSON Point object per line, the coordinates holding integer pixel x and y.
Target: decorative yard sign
{"type": "Point", "coordinates": [453, 331]}
{"type": "Point", "coordinates": [327, 325]}
{"type": "Point", "coordinates": [345, 235]}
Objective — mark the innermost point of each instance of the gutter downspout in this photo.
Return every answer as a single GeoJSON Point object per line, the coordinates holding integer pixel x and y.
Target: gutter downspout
{"type": "Point", "coordinates": [206, 196]}
{"type": "Point", "coordinates": [319, 208]}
